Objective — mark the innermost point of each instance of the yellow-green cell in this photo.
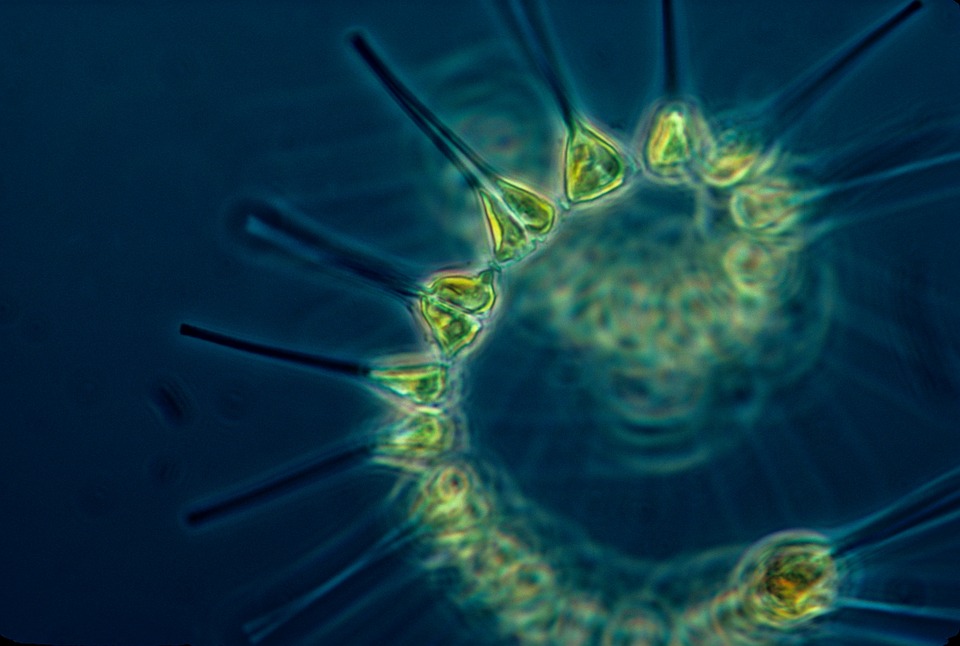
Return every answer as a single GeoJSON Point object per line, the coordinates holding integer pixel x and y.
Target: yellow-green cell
{"type": "Point", "coordinates": [729, 160]}
{"type": "Point", "coordinates": [755, 266]}
{"type": "Point", "coordinates": [452, 328]}
{"type": "Point", "coordinates": [529, 580]}
{"type": "Point", "coordinates": [787, 579]}
{"type": "Point", "coordinates": [535, 212]}
{"type": "Point", "coordinates": [421, 436]}
{"type": "Point", "coordinates": [580, 618]}
{"type": "Point", "coordinates": [422, 383]}
{"type": "Point", "coordinates": [507, 576]}
{"type": "Point", "coordinates": [768, 207]}
{"type": "Point", "coordinates": [530, 615]}
{"type": "Point", "coordinates": [511, 586]}
{"type": "Point", "coordinates": [669, 145]}
{"type": "Point", "coordinates": [473, 294]}
{"type": "Point", "coordinates": [593, 165]}
{"type": "Point", "coordinates": [508, 236]}
{"type": "Point", "coordinates": [635, 621]}
{"type": "Point", "coordinates": [450, 499]}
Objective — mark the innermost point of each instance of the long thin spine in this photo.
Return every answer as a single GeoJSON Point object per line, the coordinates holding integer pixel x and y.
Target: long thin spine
{"type": "Point", "coordinates": [284, 229]}
{"type": "Point", "coordinates": [334, 462]}
{"type": "Point", "coordinates": [512, 209]}
{"type": "Point", "coordinates": [671, 80]}
{"type": "Point", "coordinates": [419, 380]}
{"type": "Point", "coordinates": [897, 622]}
{"type": "Point", "coordinates": [445, 506]}
{"type": "Point", "coordinates": [535, 42]}
{"type": "Point", "coordinates": [398, 590]}
{"type": "Point", "coordinates": [831, 222]}
{"type": "Point", "coordinates": [511, 214]}
{"type": "Point", "coordinates": [296, 357]}
{"type": "Point", "coordinates": [824, 228]}
{"type": "Point", "coordinates": [936, 614]}
{"type": "Point", "coordinates": [927, 509]}
{"type": "Point", "coordinates": [593, 164]}
{"type": "Point", "coordinates": [787, 204]}
{"type": "Point", "coordinates": [807, 197]}
{"type": "Point", "coordinates": [262, 627]}
{"type": "Point", "coordinates": [411, 443]}
{"type": "Point", "coordinates": [466, 160]}
{"type": "Point", "coordinates": [786, 108]}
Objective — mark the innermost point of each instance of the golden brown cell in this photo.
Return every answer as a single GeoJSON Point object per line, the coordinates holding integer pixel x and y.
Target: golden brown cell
{"type": "Point", "coordinates": [508, 236]}
{"type": "Point", "coordinates": [535, 212]}
{"type": "Point", "coordinates": [593, 164]}
{"type": "Point", "coordinates": [422, 436]}
{"type": "Point", "coordinates": [473, 294]}
{"type": "Point", "coordinates": [787, 579]}
{"type": "Point", "coordinates": [768, 207]}
{"type": "Point", "coordinates": [420, 382]}
{"type": "Point", "coordinates": [675, 133]}
{"type": "Point", "coordinates": [453, 328]}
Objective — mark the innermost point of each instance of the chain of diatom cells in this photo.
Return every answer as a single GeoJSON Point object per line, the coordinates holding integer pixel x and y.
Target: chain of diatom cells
{"type": "Point", "coordinates": [689, 313]}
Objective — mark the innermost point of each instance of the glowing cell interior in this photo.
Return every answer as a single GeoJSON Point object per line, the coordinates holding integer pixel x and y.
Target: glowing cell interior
{"type": "Point", "coordinates": [593, 166]}
{"type": "Point", "coordinates": [423, 383]}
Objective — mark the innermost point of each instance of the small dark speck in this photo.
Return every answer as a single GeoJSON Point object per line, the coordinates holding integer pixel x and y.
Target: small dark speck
{"type": "Point", "coordinates": [171, 401]}
{"type": "Point", "coordinates": [234, 403]}
{"type": "Point", "coordinates": [35, 329]}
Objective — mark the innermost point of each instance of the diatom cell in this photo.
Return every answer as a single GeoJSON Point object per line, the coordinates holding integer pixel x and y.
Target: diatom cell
{"type": "Point", "coordinates": [533, 323]}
